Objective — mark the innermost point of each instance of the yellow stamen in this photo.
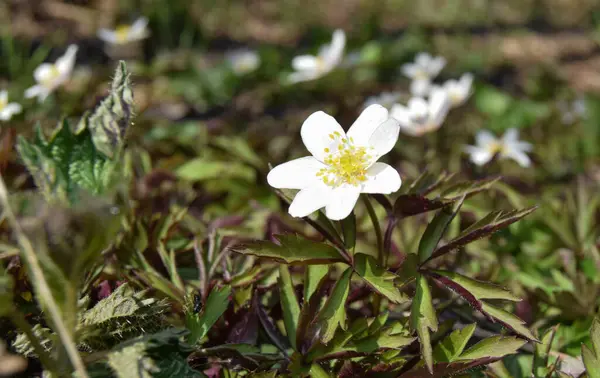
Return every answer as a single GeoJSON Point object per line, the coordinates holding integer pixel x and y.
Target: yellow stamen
{"type": "Point", "coordinates": [122, 33]}
{"type": "Point", "coordinates": [347, 165]}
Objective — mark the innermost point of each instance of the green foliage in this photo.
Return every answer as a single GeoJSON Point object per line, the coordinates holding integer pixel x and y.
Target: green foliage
{"type": "Point", "coordinates": [292, 249]}
{"type": "Point", "coordinates": [199, 323]}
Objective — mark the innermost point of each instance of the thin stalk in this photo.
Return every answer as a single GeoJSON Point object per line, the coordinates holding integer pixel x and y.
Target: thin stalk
{"type": "Point", "coordinates": [378, 233]}
{"type": "Point", "coordinates": [19, 320]}
{"type": "Point", "coordinates": [43, 287]}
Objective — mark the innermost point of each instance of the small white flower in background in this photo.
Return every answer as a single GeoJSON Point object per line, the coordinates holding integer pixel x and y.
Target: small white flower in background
{"type": "Point", "coordinates": [310, 67]}
{"type": "Point", "coordinates": [424, 69]}
{"type": "Point", "coordinates": [243, 61]}
{"type": "Point", "coordinates": [124, 34]}
{"type": "Point", "coordinates": [385, 99]}
{"type": "Point", "coordinates": [8, 109]}
{"type": "Point", "coordinates": [458, 91]}
{"type": "Point", "coordinates": [507, 147]}
{"type": "Point", "coordinates": [342, 165]}
{"type": "Point", "coordinates": [422, 116]}
{"type": "Point", "coordinates": [572, 111]}
{"type": "Point", "coordinates": [51, 76]}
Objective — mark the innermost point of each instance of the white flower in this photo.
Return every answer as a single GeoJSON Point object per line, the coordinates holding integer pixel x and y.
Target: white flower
{"type": "Point", "coordinates": [385, 99]}
{"type": "Point", "coordinates": [310, 67]}
{"type": "Point", "coordinates": [243, 61]}
{"type": "Point", "coordinates": [422, 116]}
{"type": "Point", "coordinates": [572, 111]}
{"type": "Point", "coordinates": [342, 165]}
{"type": "Point", "coordinates": [424, 69]}
{"type": "Point", "coordinates": [508, 147]}
{"type": "Point", "coordinates": [124, 34]}
{"type": "Point", "coordinates": [458, 90]}
{"type": "Point", "coordinates": [7, 110]}
{"type": "Point", "coordinates": [51, 76]}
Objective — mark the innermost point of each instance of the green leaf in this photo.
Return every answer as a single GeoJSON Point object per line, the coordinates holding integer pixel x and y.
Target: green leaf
{"type": "Point", "coordinates": [317, 371]}
{"type": "Point", "coordinates": [380, 340]}
{"type": "Point", "coordinates": [378, 278]}
{"type": "Point", "coordinates": [6, 293]}
{"type": "Point", "coordinates": [423, 319]}
{"type": "Point", "coordinates": [542, 352]}
{"type": "Point", "coordinates": [333, 312]}
{"type": "Point", "coordinates": [495, 346]}
{"type": "Point", "coordinates": [591, 357]}
{"type": "Point", "coordinates": [203, 169]}
{"type": "Point", "coordinates": [479, 289]}
{"type": "Point", "coordinates": [215, 306]}
{"type": "Point", "coordinates": [435, 230]}
{"type": "Point", "coordinates": [289, 304]}
{"type": "Point", "coordinates": [293, 249]}
{"type": "Point", "coordinates": [312, 277]}
{"type": "Point", "coordinates": [508, 320]}
{"type": "Point", "coordinates": [349, 230]}
{"type": "Point", "coordinates": [450, 348]}
{"type": "Point", "coordinates": [467, 189]}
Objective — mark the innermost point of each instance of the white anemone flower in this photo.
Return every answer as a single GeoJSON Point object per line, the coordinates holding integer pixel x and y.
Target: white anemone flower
{"type": "Point", "coordinates": [51, 76]}
{"type": "Point", "coordinates": [124, 34]}
{"type": "Point", "coordinates": [243, 61]}
{"type": "Point", "coordinates": [422, 116]}
{"type": "Point", "coordinates": [8, 109]}
{"type": "Point", "coordinates": [385, 99]}
{"type": "Point", "coordinates": [508, 147]}
{"type": "Point", "coordinates": [458, 90]}
{"type": "Point", "coordinates": [310, 67]}
{"type": "Point", "coordinates": [424, 69]}
{"type": "Point", "coordinates": [342, 165]}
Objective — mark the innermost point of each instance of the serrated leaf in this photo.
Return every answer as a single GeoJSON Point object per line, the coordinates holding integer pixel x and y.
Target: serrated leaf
{"type": "Point", "coordinates": [495, 346]}
{"type": "Point", "coordinates": [292, 249]}
{"type": "Point", "coordinates": [508, 320]}
{"type": "Point", "coordinates": [467, 189]}
{"type": "Point", "coordinates": [378, 278]}
{"type": "Point", "coordinates": [436, 229]}
{"type": "Point", "coordinates": [423, 319]}
{"type": "Point", "coordinates": [542, 352]}
{"type": "Point", "coordinates": [313, 275]}
{"type": "Point", "coordinates": [450, 348]}
{"type": "Point", "coordinates": [591, 362]}
{"type": "Point", "coordinates": [479, 289]}
{"type": "Point", "coordinates": [427, 182]}
{"type": "Point", "coordinates": [216, 304]}
{"type": "Point", "coordinates": [289, 304]}
{"type": "Point", "coordinates": [333, 313]}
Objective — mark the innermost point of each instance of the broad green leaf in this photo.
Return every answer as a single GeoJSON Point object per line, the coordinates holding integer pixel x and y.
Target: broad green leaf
{"type": "Point", "coordinates": [349, 230]}
{"type": "Point", "coordinates": [542, 352]}
{"type": "Point", "coordinates": [289, 304]}
{"type": "Point", "coordinates": [495, 346]}
{"type": "Point", "coordinates": [479, 289]}
{"type": "Point", "coordinates": [202, 169]}
{"type": "Point", "coordinates": [591, 362]}
{"type": "Point", "coordinates": [453, 345]}
{"type": "Point", "coordinates": [435, 230]}
{"type": "Point", "coordinates": [423, 319]}
{"type": "Point", "coordinates": [312, 277]}
{"type": "Point", "coordinates": [595, 335]}
{"type": "Point", "coordinates": [316, 371]}
{"type": "Point", "coordinates": [381, 340]}
{"type": "Point", "coordinates": [292, 249]}
{"type": "Point", "coordinates": [378, 278]}
{"type": "Point", "coordinates": [508, 320]}
{"type": "Point", "coordinates": [216, 304]}
{"type": "Point", "coordinates": [333, 312]}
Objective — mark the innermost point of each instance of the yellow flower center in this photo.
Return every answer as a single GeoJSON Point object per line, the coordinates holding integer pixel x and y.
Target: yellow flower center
{"type": "Point", "coordinates": [122, 33]}
{"type": "Point", "coordinates": [3, 103]}
{"type": "Point", "coordinates": [495, 148]}
{"type": "Point", "coordinates": [346, 164]}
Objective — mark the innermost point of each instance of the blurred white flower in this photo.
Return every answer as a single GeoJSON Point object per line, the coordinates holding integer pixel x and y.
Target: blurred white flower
{"type": "Point", "coordinates": [310, 67]}
{"type": "Point", "coordinates": [51, 76]}
{"type": "Point", "coordinates": [458, 91]}
{"type": "Point", "coordinates": [243, 61]}
{"type": "Point", "coordinates": [422, 116]}
{"type": "Point", "coordinates": [124, 34]}
{"type": "Point", "coordinates": [342, 165]}
{"type": "Point", "coordinates": [8, 109]}
{"type": "Point", "coordinates": [572, 111]}
{"type": "Point", "coordinates": [385, 99]}
{"type": "Point", "coordinates": [508, 147]}
{"type": "Point", "coordinates": [424, 69]}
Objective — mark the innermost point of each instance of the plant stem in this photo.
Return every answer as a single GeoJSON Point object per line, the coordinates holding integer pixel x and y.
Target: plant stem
{"type": "Point", "coordinates": [377, 227]}
{"type": "Point", "coordinates": [42, 285]}
{"type": "Point", "coordinates": [19, 320]}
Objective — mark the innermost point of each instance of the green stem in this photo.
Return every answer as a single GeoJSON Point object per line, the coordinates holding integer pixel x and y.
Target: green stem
{"type": "Point", "coordinates": [378, 233]}
{"type": "Point", "coordinates": [44, 291]}
{"type": "Point", "coordinates": [19, 320]}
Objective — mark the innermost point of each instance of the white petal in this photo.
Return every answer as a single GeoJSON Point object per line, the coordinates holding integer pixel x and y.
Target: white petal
{"type": "Point", "coordinates": [382, 178]}
{"type": "Point", "coordinates": [316, 134]}
{"type": "Point", "coordinates": [522, 146]}
{"type": "Point", "coordinates": [436, 65]}
{"type": "Point", "coordinates": [439, 105]}
{"type": "Point", "coordinates": [479, 156]}
{"type": "Point", "coordinates": [510, 136]}
{"type": "Point", "coordinates": [410, 70]}
{"type": "Point", "coordinates": [305, 63]}
{"type": "Point", "coordinates": [466, 82]}
{"type": "Point", "coordinates": [43, 72]}
{"type": "Point", "coordinates": [423, 59]}
{"type": "Point", "coordinates": [420, 87]}
{"type": "Point", "coordinates": [138, 29]}
{"type": "Point", "coordinates": [333, 55]}
{"type": "Point", "coordinates": [418, 107]}
{"type": "Point", "coordinates": [384, 137]}
{"type": "Point", "coordinates": [519, 156]}
{"type": "Point", "coordinates": [107, 36]}
{"type": "Point", "coordinates": [65, 63]}
{"type": "Point", "coordinates": [484, 138]}
{"type": "Point", "coordinates": [366, 123]}
{"type": "Point", "coordinates": [342, 201]}
{"type": "Point", "coordinates": [309, 200]}
{"type": "Point", "coordinates": [3, 96]}
{"type": "Point", "coordinates": [13, 108]}
{"type": "Point", "coordinates": [401, 114]}
{"type": "Point", "coordinates": [38, 91]}
{"type": "Point", "coordinates": [297, 77]}
{"type": "Point", "coordinates": [295, 174]}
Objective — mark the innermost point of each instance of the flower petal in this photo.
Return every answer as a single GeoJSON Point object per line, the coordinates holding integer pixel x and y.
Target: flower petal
{"type": "Point", "coordinates": [43, 72]}
{"type": "Point", "coordinates": [510, 136]}
{"type": "Point", "coordinates": [13, 108]}
{"type": "Point", "coordinates": [423, 59]}
{"type": "Point", "coordinates": [382, 178]}
{"type": "Point", "coordinates": [402, 114]}
{"type": "Point", "coordinates": [341, 202]}
{"type": "Point", "coordinates": [3, 96]}
{"type": "Point", "coordinates": [65, 63]}
{"type": "Point", "coordinates": [305, 63]}
{"type": "Point", "coordinates": [332, 56]}
{"type": "Point", "coordinates": [366, 123]}
{"type": "Point", "coordinates": [484, 138]}
{"type": "Point", "coordinates": [410, 70]}
{"type": "Point", "coordinates": [479, 156]}
{"type": "Point", "coordinates": [519, 156]}
{"type": "Point", "coordinates": [138, 29]}
{"type": "Point", "coordinates": [107, 36]}
{"type": "Point", "coordinates": [439, 105]}
{"type": "Point", "coordinates": [420, 87]}
{"type": "Point", "coordinates": [295, 174]}
{"type": "Point", "coordinates": [38, 91]}
{"type": "Point", "coordinates": [384, 137]}
{"type": "Point", "coordinates": [321, 131]}
{"type": "Point", "coordinates": [436, 65]}
{"type": "Point", "coordinates": [309, 200]}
